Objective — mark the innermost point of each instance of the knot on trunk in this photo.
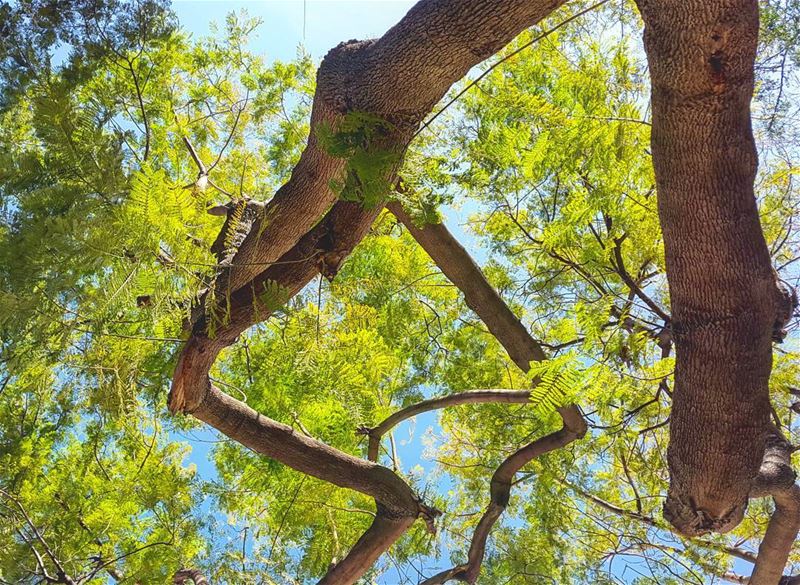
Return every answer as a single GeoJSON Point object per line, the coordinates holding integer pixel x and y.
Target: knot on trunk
{"type": "Point", "coordinates": [193, 575]}
{"type": "Point", "coordinates": [690, 520]}
{"type": "Point", "coordinates": [785, 306]}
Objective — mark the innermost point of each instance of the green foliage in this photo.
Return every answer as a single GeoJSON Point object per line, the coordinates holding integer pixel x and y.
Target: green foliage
{"type": "Point", "coordinates": [359, 139]}
{"type": "Point", "coordinates": [543, 172]}
{"type": "Point", "coordinates": [555, 384]}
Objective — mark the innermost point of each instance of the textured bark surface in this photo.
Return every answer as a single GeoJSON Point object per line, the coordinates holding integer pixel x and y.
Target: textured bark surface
{"type": "Point", "coordinates": [399, 78]}
{"type": "Point", "coordinates": [322, 249]}
{"type": "Point", "coordinates": [722, 289]}
{"type": "Point", "coordinates": [776, 478]}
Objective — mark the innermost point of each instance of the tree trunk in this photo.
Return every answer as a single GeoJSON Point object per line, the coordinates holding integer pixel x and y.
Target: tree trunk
{"type": "Point", "coordinates": [722, 289]}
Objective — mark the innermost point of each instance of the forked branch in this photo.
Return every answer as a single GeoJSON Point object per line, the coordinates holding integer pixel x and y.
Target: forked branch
{"type": "Point", "coordinates": [398, 78]}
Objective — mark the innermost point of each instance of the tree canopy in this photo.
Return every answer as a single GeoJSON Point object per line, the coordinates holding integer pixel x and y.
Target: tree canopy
{"type": "Point", "coordinates": [188, 227]}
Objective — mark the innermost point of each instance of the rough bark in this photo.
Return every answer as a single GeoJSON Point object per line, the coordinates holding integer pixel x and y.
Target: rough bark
{"type": "Point", "coordinates": [776, 479]}
{"type": "Point", "coordinates": [722, 288]}
{"type": "Point", "coordinates": [399, 78]}
{"type": "Point", "coordinates": [778, 540]}
{"type": "Point", "coordinates": [324, 248]}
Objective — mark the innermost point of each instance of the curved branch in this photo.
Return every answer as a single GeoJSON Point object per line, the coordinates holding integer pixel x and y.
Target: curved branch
{"type": "Point", "coordinates": [397, 505]}
{"type": "Point", "coordinates": [500, 491]}
{"type": "Point", "coordinates": [778, 540]}
{"type": "Point", "coordinates": [399, 78]}
{"type": "Point", "coordinates": [455, 262]}
{"type": "Point", "coordinates": [323, 248]}
{"type": "Point", "coordinates": [776, 478]}
{"type": "Point", "coordinates": [281, 442]}
{"type": "Point", "coordinates": [471, 397]}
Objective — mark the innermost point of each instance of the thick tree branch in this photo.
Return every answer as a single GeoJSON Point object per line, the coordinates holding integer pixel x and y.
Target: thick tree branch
{"type": "Point", "coordinates": [776, 478]}
{"type": "Point", "coordinates": [322, 249]}
{"type": "Point", "coordinates": [397, 505]}
{"type": "Point", "coordinates": [778, 540]}
{"type": "Point", "coordinates": [382, 533]}
{"type": "Point", "coordinates": [241, 423]}
{"type": "Point", "coordinates": [722, 289]}
{"type": "Point", "coordinates": [399, 78]}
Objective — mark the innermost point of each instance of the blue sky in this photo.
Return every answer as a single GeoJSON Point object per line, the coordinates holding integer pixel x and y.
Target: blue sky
{"type": "Point", "coordinates": [326, 22]}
